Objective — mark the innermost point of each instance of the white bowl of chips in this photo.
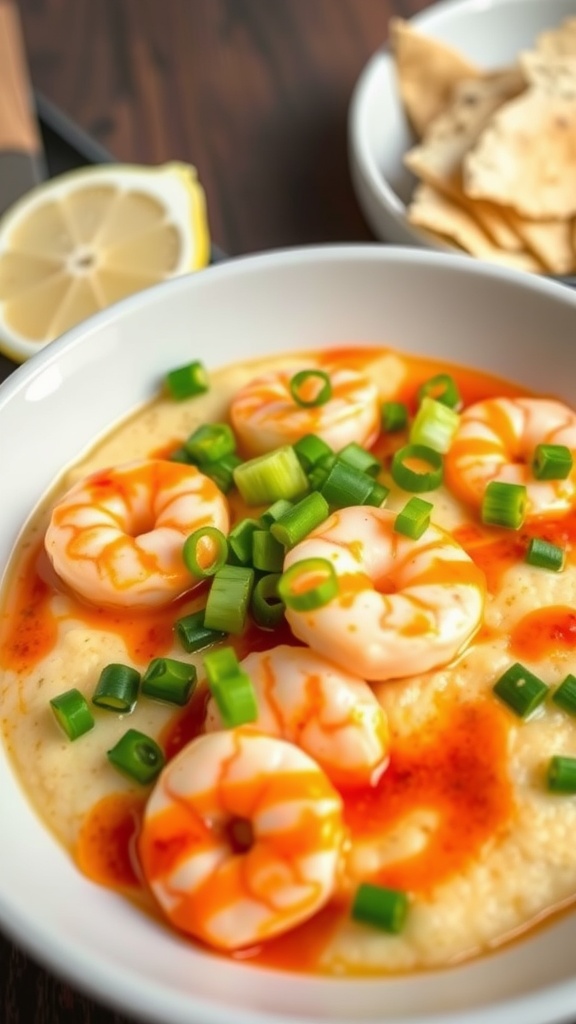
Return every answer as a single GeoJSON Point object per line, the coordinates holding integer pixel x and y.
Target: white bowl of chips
{"type": "Point", "coordinates": [462, 132]}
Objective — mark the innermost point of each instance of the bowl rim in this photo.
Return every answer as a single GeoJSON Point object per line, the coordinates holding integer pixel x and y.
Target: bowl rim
{"type": "Point", "coordinates": [119, 983]}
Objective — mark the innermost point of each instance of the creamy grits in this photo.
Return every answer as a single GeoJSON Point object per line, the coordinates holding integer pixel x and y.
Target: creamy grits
{"type": "Point", "coordinates": [459, 817]}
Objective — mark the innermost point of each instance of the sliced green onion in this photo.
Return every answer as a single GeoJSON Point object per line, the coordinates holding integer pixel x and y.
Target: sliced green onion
{"type": "Point", "coordinates": [414, 518]}
{"type": "Point", "coordinates": [211, 442]}
{"type": "Point", "coordinates": [138, 756]}
{"type": "Point", "coordinates": [277, 474]}
{"type": "Point", "coordinates": [299, 520]}
{"type": "Point", "coordinates": [393, 416]}
{"type": "Point", "coordinates": [317, 477]}
{"type": "Point", "coordinates": [187, 381]}
{"type": "Point", "coordinates": [267, 552]}
{"type": "Point", "coordinates": [504, 504]}
{"type": "Point", "coordinates": [565, 695]}
{"type": "Point", "coordinates": [272, 514]}
{"type": "Point", "coordinates": [222, 472]}
{"type": "Point", "coordinates": [358, 457]}
{"type": "Point", "coordinates": [443, 388]}
{"type": "Point", "coordinates": [180, 455]}
{"type": "Point", "coordinates": [520, 690]}
{"type": "Point", "coordinates": [206, 541]}
{"type": "Point", "coordinates": [434, 425]}
{"type": "Point", "coordinates": [377, 495]}
{"type": "Point", "coordinates": [310, 388]}
{"type": "Point", "coordinates": [545, 555]}
{"type": "Point", "coordinates": [346, 486]}
{"type": "Point", "coordinates": [383, 908]}
{"type": "Point", "coordinates": [310, 449]}
{"type": "Point", "coordinates": [267, 606]}
{"type": "Point", "coordinates": [552, 462]}
{"type": "Point", "coordinates": [194, 635]}
{"type": "Point", "coordinates": [117, 688]}
{"type": "Point", "coordinates": [229, 598]}
{"type": "Point", "coordinates": [169, 680]}
{"type": "Point", "coordinates": [231, 688]}
{"type": "Point", "coordinates": [240, 540]}
{"type": "Point", "coordinates": [72, 713]}
{"type": "Point", "coordinates": [561, 776]}
{"type": "Point", "coordinates": [308, 585]}
{"type": "Point", "coordinates": [426, 475]}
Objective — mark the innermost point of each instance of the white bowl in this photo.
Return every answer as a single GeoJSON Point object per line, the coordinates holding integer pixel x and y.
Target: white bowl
{"type": "Point", "coordinates": [490, 33]}
{"type": "Point", "coordinates": [52, 408]}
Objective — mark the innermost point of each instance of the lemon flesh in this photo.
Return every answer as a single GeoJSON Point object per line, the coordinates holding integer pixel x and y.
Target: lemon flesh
{"type": "Point", "coordinates": [89, 238]}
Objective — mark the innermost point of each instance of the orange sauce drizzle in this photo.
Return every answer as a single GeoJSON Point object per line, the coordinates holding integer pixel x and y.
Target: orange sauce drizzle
{"type": "Point", "coordinates": [545, 633]}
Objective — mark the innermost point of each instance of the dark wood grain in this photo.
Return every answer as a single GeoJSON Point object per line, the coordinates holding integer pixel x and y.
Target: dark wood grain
{"type": "Point", "coordinates": [255, 93]}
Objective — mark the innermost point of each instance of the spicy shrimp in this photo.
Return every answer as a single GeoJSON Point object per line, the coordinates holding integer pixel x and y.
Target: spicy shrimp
{"type": "Point", "coordinates": [241, 838]}
{"type": "Point", "coordinates": [116, 537]}
{"type": "Point", "coordinates": [402, 606]}
{"type": "Point", "coordinates": [330, 714]}
{"type": "Point", "coordinates": [496, 440]}
{"type": "Point", "coordinates": [265, 414]}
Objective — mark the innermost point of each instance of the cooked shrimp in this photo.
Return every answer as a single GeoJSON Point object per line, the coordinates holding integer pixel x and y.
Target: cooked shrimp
{"type": "Point", "coordinates": [116, 537]}
{"type": "Point", "coordinates": [265, 415]}
{"type": "Point", "coordinates": [332, 715]}
{"type": "Point", "coordinates": [496, 440]}
{"type": "Point", "coordinates": [403, 606]}
{"type": "Point", "coordinates": [241, 838]}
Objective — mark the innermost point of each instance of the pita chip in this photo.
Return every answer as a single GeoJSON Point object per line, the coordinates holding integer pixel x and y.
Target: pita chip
{"type": "Point", "coordinates": [427, 71]}
{"type": "Point", "coordinates": [558, 42]}
{"type": "Point", "coordinates": [549, 240]}
{"type": "Point", "coordinates": [526, 156]}
{"type": "Point", "coordinates": [433, 212]}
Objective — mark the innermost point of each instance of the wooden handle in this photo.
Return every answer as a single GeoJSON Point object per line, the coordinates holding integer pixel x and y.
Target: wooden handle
{"type": "Point", "coordinates": [18, 126]}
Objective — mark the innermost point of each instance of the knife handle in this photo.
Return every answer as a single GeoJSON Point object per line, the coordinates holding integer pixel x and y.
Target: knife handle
{"type": "Point", "coordinates": [18, 126]}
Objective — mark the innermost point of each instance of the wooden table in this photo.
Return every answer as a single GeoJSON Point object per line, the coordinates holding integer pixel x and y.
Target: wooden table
{"type": "Point", "coordinates": [255, 93]}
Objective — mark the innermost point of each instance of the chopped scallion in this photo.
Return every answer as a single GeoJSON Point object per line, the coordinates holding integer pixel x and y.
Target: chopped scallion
{"type": "Point", "coordinates": [308, 585]}
{"type": "Point", "coordinates": [267, 551]}
{"type": "Point", "coordinates": [417, 468]}
{"type": "Point", "coordinates": [267, 606]}
{"type": "Point", "coordinates": [552, 462]}
{"type": "Point", "coordinates": [504, 504]}
{"type": "Point", "coordinates": [268, 477]}
{"type": "Point", "coordinates": [231, 688]}
{"type": "Point", "coordinates": [358, 457]}
{"type": "Point", "coordinates": [414, 518]}
{"type": "Point", "coordinates": [545, 555]}
{"type": "Point", "coordinates": [443, 388]}
{"type": "Point", "coordinates": [434, 425]}
{"type": "Point", "coordinates": [565, 695]}
{"type": "Point", "coordinates": [561, 775]}
{"type": "Point", "coordinates": [229, 598]}
{"type": "Point", "coordinates": [194, 635]}
{"type": "Point", "coordinates": [187, 381]}
{"type": "Point", "coordinates": [117, 688]}
{"type": "Point", "coordinates": [205, 551]}
{"type": "Point", "coordinates": [345, 485]}
{"type": "Point", "coordinates": [299, 520]}
{"type": "Point", "coordinates": [222, 472]}
{"type": "Point", "coordinates": [72, 713]}
{"type": "Point", "coordinates": [138, 756]}
{"type": "Point", "coordinates": [210, 442]}
{"type": "Point", "coordinates": [240, 540]}
{"type": "Point", "coordinates": [169, 680]}
{"type": "Point", "coordinates": [311, 388]}
{"type": "Point", "coordinates": [310, 449]}
{"type": "Point", "coordinates": [393, 416]}
{"type": "Point", "coordinates": [383, 908]}
{"type": "Point", "coordinates": [520, 690]}
{"type": "Point", "coordinates": [272, 514]}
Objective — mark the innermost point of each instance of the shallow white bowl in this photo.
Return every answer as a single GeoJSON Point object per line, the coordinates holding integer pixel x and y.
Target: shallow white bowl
{"type": "Point", "coordinates": [53, 407]}
{"type": "Point", "coordinates": [488, 32]}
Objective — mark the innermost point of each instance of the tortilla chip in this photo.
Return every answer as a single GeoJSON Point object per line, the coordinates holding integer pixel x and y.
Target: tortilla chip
{"type": "Point", "coordinates": [549, 240]}
{"type": "Point", "coordinates": [427, 71]}
{"type": "Point", "coordinates": [434, 212]}
{"type": "Point", "coordinates": [526, 156]}
{"type": "Point", "coordinates": [437, 160]}
{"type": "Point", "coordinates": [560, 41]}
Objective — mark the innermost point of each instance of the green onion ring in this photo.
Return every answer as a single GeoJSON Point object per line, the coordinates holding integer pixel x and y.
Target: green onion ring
{"type": "Point", "coordinates": [320, 592]}
{"type": "Point", "coordinates": [219, 556]}
{"type": "Point", "coordinates": [301, 379]}
{"type": "Point", "coordinates": [413, 479]}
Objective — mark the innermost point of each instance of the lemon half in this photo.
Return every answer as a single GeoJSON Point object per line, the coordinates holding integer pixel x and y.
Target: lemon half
{"type": "Point", "coordinates": [90, 237]}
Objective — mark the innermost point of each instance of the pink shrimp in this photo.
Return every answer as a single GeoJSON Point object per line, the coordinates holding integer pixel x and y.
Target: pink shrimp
{"type": "Point", "coordinates": [116, 538]}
